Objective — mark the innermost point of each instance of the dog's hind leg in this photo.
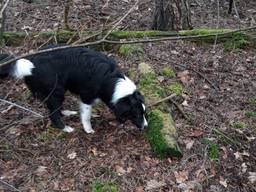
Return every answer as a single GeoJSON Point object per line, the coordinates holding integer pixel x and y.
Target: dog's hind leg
{"type": "Point", "coordinates": [85, 112]}
{"type": "Point", "coordinates": [54, 105]}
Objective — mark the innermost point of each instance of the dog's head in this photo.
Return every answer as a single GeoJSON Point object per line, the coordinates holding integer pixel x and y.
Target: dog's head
{"type": "Point", "coordinates": [131, 107]}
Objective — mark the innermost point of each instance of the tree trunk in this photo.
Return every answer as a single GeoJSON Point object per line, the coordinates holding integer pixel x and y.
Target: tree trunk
{"type": "Point", "coordinates": [172, 15]}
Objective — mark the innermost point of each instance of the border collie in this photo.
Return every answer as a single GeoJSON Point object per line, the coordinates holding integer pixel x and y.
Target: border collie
{"type": "Point", "coordinates": [84, 72]}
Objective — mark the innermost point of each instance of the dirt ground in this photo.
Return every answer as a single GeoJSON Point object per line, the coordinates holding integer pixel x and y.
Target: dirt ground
{"type": "Point", "coordinates": [219, 97]}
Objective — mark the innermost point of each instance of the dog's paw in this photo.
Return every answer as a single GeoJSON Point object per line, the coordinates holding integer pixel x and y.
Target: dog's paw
{"type": "Point", "coordinates": [88, 127]}
{"type": "Point", "coordinates": [68, 129]}
{"type": "Point", "coordinates": [68, 113]}
{"type": "Point", "coordinates": [91, 131]}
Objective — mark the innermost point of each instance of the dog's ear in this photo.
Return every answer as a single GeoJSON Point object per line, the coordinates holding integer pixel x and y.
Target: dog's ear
{"type": "Point", "coordinates": [122, 108]}
{"type": "Point", "coordinates": [138, 96]}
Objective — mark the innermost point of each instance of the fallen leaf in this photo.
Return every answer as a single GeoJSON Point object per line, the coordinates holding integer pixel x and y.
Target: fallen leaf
{"type": "Point", "coordinates": [153, 184]}
{"type": "Point", "coordinates": [139, 189]}
{"type": "Point", "coordinates": [185, 103]}
{"type": "Point", "coordinates": [183, 76]}
{"type": "Point", "coordinates": [160, 79]}
{"type": "Point", "coordinates": [189, 143]}
{"type": "Point", "coordinates": [252, 177]}
{"type": "Point", "coordinates": [94, 151]}
{"type": "Point", "coordinates": [223, 182]}
{"type": "Point", "coordinates": [225, 155]}
{"type": "Point", "coordinates": [41, 170]}
{"type": "Point", "coordinates": [72, 155]}
{"type": "Point", "coordinates": [120, 170]}
{"type": "Point", "coordinates": [181, 176]}
{"type": "Point", "coordinates": [237, 155]}
{"type": "Point", "coordinates": [244, 167]}
{"type": "Point", "coordinates": [174, 52]}
{"type": "Point", "coordinates": [199, 174]}
{"type": "Point", "coordinates": [196, 133]}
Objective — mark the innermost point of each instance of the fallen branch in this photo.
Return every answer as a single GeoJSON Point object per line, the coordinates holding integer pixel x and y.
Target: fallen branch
{"type": "Point", "coordinates": [180, 109]}
{"type": "Point", "coordinates": [23, 108]}
{"type": "Point", "coordinates": [101, 41]}
{"type": "Point", "coordinates": [12, 188]}
{"type": "Point", "coordinates": [162, 100]}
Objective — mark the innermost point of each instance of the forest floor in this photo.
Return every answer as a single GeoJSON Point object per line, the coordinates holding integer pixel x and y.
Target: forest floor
{"type": "Point", "coordinates": [219, 144]}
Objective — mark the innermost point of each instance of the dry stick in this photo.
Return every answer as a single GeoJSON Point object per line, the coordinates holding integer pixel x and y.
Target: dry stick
{"type": "Point", "coordinates": [115, 26]}
{"type": "Point", "coordinates": [4, 7]}
{"type": "Point", "coordinates": [9, 186]}
{"type": "Point", "coordinates": [180, 109]}
{"type": "Point", "coordinates": [162, 100]}
{"type": "Point", "coordinates": [218, 22]}
{"type": "Point", "coordinates": [23, 108]}
{"type": "Point", "coordinates": [123, 42]}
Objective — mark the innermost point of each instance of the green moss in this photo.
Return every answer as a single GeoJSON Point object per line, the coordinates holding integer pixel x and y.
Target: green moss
{"type": "Point", "coordinates": [168, 72]}
{"type": "Point", "coordinates": [176, 88]}
{"type": "Point", "coordinates": [132, 74]}
{"type": "Point", "coordinates": [252, 101]}
{"type": "Point", "coordinates": [137, 34]}
{"type": "Point", "coordinates": [161, 134]}
{"type": "Point", "coordinates": [46, 135]}
{"type": "Point", "coordinates": [238, 41]}
{"type": "Point", "coordinates": [130, 49]}
{"type": "Point", "coordinates": [239, 125]}
{"type": "Point", "coordinates": [202, 31]}
{"type": "Point", "coordinates": [250, 114]}
{"type": "Point", "coordinates": [212, 149]}
{"type": "Point", "coordinates": [149, 86]}
{"type": "Point", "coordinates": [104, 187]}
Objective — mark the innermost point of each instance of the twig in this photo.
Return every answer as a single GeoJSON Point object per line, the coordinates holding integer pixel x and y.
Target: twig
{"type": "Point", "coordinates": [9, 186]}
{"type": "Point", "coordinates": [4, 7]}
{"type": "Point", "coordinates": [203, 76]}
{"type": "Point", "coordinates": [162, 100]}
{"type": "Point", "coordinates": [180, 109]}
{"type": "Point", "coordinates": [225, 136]}
{"type": "Point", "coordinates": [237, 14]}
{"type": "Point", "coordinates": [23, 108]}
{"type": "Point", "coordinates": [218, 22]}
{"type": "Point", "coordinates": [115, 26]}
{"type": "Point", "coordinates": [122, 42]}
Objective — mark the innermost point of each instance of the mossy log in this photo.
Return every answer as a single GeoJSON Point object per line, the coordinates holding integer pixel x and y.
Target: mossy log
{"type": "Point", "coordinates": [17, 38]}
{"type": "Point", "coordinates": [161, 132]}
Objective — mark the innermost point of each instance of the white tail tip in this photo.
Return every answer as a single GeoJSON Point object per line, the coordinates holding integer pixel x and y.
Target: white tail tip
{"type": "Point", "coordinates": [23, 68]}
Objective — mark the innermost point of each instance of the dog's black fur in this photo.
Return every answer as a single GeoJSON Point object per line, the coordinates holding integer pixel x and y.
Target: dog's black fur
{"type": "Point", "coordinates": [84, 72]}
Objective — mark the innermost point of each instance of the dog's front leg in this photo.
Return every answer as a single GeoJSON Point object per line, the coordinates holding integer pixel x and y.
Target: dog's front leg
{"type": "Point", "coordinates": [85, 112]}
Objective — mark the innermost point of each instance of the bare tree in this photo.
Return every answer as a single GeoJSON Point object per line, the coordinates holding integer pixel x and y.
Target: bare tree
{"type": "Point", "coordinates": [172, 15]}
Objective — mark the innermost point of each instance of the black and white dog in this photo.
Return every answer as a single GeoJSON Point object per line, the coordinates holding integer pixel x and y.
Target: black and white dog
{"type": "Point", "coordinates": [84, 72]}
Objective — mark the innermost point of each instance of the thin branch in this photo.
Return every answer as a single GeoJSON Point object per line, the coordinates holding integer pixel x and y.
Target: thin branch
{"type": "Point", "coordinates": [9, 186]}
{"type": "Point", "coordinates": [180, 109]}
{"type": "Point", "coordinates": [115, 26]}
{"type": "Point", "coordinates": [4, 7]}
{"type": "Point", "coordinates": [23, 108]}
{"type": "Point", "coordinates": [162, 100]}
{"type": "Point", "coordinates": [124, 42]}
{"type": "Point", "coordinates": [218, 22]}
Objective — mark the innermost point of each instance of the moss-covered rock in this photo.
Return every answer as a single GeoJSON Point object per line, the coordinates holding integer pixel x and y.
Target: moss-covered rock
{"type": "Point", "coordinates": [176, 88]}
{"type": "Point", "coordinates": [161, 134]}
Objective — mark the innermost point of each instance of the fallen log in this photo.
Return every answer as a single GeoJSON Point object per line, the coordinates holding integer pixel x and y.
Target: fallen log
{"type": "Point", "coordinates": [161, 131]}
{"type": "Point", "coordinates": [201, 35]}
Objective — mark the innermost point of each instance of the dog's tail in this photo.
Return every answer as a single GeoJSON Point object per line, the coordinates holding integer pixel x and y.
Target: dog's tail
{"type": "Point", "coordinates": [20, 69]}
